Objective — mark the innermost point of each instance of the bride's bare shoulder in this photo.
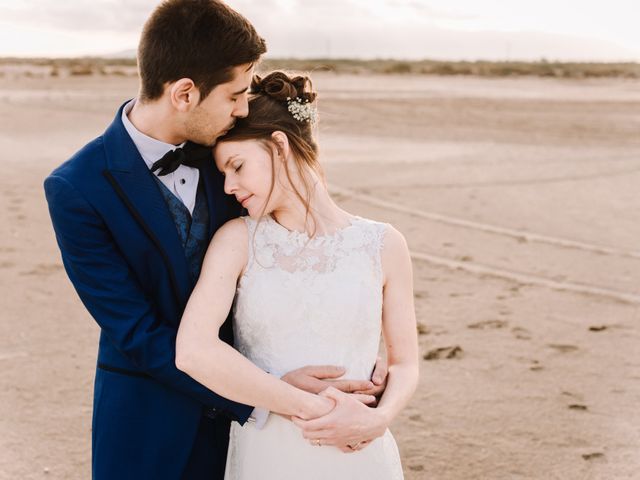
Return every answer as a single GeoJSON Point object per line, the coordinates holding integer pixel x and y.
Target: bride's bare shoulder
{"type": "Point", "coordinates": [228, 249]}
{"type": "Point", "coordinates": [394, 241]}
{"type": "Point", "coordinates": [395, 251]}
{"type": "Point", "coordinates": [233, 232]}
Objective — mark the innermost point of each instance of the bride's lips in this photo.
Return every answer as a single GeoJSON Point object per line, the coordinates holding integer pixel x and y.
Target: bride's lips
{"type": "Point", "coordinates": [242, 200]}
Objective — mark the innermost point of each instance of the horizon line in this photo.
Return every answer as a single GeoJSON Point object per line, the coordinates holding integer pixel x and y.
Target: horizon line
{"type": "Point", "coordinates": [126, 58]}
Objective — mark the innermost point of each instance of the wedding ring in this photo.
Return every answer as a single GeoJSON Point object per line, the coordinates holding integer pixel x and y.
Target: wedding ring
{"type": "Point", "coordinates": [318, 444]}
{"type": "Point", "coordinates": [355, 446]}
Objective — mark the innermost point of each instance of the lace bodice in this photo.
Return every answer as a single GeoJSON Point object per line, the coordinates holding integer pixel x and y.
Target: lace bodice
{"type": "Point", "coordinates": [315, 301]}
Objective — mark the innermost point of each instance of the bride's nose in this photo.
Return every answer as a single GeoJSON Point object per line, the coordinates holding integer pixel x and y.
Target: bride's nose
{"type": "Point", "coordinates": [230, 185]}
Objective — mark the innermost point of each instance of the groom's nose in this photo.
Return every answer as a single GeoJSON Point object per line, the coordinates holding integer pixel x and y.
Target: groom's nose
{"type": "Point", "coordinates": [242, 107]}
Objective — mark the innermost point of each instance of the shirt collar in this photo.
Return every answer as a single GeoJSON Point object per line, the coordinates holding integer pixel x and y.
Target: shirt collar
{"type": "Point", "coordinates": [150, 149]}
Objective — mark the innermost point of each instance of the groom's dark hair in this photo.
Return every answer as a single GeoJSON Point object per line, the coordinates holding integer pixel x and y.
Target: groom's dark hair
{"type": "Point", "coordinates": [198, 39]}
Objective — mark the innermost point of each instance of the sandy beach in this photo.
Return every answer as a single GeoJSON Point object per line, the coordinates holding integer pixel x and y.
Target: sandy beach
{"type": "Point", "coordinates": [520, 201]}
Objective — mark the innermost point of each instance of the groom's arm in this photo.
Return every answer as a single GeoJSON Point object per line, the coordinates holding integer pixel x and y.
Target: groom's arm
{"type": "Point", "coordinates": [113, 296]}
{"type": "Point", "coordinates": [317, 378]}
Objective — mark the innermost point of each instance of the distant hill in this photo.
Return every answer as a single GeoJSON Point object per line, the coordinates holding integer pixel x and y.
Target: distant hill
{"type": "Point", "coordinates": [124, 63]}
{"type": "Point", "coordinates": [130, 53]}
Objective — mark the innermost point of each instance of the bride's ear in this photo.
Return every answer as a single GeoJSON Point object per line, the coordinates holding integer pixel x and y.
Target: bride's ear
{"type": "Point", "coordinates": [281, 142]}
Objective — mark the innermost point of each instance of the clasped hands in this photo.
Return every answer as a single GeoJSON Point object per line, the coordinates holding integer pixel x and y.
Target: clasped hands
{"type": "Point", "coordinates": [351, 424]}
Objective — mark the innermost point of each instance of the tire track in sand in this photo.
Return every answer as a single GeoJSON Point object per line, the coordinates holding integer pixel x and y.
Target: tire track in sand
{"type": "Point", "coordinates": [512, 275]}
{"type": "Point", "coordinates": [521, 235]}
{"type": "Point", "coordinates": [527, 278]}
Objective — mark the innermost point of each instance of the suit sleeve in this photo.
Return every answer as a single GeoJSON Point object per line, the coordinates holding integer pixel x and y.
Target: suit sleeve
{"type": "Point", "coordinates": [113, 296]}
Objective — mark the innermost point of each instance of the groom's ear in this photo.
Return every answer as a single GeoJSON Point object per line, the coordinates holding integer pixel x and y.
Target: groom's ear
{"type": "Point", "coordinates": [183, 94]}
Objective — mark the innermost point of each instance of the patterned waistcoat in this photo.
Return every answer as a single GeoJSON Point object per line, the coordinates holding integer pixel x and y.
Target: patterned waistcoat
{"type": "Point", "coordinates": [192, 230]}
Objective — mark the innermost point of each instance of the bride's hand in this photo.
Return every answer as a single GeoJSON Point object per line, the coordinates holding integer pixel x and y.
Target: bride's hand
{"type": "Point", "coordinates": [317, 406]}
{"type": "Point", "coordinates": [349, 423]}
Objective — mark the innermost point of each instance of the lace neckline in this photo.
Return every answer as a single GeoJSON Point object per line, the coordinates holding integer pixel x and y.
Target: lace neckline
{"type": "Point", "coordinates": [304, 236]}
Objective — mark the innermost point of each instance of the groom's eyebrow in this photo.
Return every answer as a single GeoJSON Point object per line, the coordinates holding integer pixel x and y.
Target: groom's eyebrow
{"type": "Point", "coordinates": [240, 92]}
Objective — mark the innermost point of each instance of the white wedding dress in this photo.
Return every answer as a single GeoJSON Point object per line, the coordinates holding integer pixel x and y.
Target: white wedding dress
{"type": "Point", "coordinates": [304, 302]}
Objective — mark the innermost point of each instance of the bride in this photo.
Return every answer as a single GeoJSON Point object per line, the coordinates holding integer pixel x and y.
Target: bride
{"type": "Point", "coordinates": [312, 284]}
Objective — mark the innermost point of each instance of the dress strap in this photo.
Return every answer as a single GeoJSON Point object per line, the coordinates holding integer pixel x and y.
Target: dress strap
{"type": "Point", "coordinates": [378, 231]}
{"type": "Point", "coordinates": [251, 230]}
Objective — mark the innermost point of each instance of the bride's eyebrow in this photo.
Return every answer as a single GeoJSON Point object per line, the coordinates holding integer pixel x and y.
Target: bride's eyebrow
{"type": "Point", "coordinates": [229, 160]}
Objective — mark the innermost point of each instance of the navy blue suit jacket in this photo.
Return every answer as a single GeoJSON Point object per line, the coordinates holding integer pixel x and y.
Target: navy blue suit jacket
{"type": "Point", "coordinates": [121, 250]}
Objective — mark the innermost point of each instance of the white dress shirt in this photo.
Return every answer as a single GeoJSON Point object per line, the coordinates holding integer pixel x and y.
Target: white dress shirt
{"type": "Point", "coordinates": [183, 183]}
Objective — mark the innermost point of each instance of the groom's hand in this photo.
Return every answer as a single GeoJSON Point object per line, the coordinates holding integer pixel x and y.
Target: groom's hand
{"type": "Point", "coordinates": [317, 378]}
{"type": "Point", "coordinates": [378, 379]}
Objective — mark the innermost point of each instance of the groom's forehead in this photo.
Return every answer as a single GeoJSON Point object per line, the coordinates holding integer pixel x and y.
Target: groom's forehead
{"type": "Point", "coordinates": [241, 79]}
{"type": "Point", "coordinates": [243, 73]}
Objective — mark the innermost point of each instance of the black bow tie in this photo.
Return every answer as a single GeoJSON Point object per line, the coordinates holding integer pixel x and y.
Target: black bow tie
{"type": "Point", "coordinates": [191, 155]}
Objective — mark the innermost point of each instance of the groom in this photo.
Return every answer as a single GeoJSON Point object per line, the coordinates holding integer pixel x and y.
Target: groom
{"type": "Point", "coordinates": [133, 232]}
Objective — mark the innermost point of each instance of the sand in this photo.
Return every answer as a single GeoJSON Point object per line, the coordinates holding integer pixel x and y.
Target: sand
{"type": "Point", "coordinates": [520, 201]}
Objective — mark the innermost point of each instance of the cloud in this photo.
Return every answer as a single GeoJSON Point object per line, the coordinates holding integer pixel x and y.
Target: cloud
{"type": "Point", "coordinates": [411, 29]}
{"type": "Point", "coordinates": [422, 8]}
{"type": "Point", "coordinates": [130, 15]}
{"type": "Point", "coordinates": [77, 15]}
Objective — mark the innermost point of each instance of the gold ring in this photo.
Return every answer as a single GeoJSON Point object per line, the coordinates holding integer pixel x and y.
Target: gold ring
{"type": "Point", "coordinates": [354, 447]}
{"type": "Point", "coordinates": [318, 444]}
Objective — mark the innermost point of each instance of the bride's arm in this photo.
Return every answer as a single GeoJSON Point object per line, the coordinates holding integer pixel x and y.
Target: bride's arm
{"type": "Point", "coordinates": [350, 423]}
{"type": "Point", "coordinates": [398, 326]}
{"type": "Point", "coordinates": [202, 355]}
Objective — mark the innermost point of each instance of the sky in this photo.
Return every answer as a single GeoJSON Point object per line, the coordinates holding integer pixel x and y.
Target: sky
{"type": "Point", "coordinates": [586, 30]}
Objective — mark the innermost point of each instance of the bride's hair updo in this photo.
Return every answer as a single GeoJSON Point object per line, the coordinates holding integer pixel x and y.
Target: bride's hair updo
{"type": "Point", "coordinates": [271, 100]}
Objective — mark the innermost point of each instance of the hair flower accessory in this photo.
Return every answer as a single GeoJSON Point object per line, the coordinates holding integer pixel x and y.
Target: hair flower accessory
{"type": "Point", "coordinates": [302, 110]}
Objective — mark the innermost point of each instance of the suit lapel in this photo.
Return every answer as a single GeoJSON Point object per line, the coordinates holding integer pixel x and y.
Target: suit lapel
{"type": "Point", "coordinates": [134, 184]}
